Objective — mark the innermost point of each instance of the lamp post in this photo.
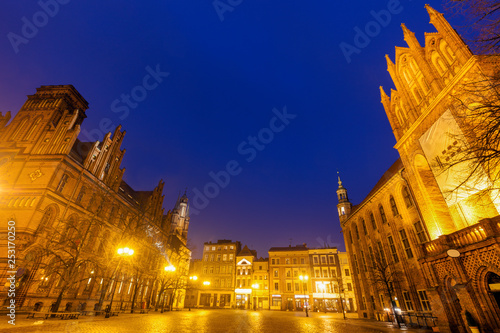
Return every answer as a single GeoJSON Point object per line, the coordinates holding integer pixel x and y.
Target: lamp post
{"type": "Point", "coordinates": [122, 252]}
{"type": "Point", "coordinates": [193, 279]}
{"type": "Point", "coordinates": [255, 286]}
{"type": "Point", "coordinates": [305, 278]}
{"type": "Point", "coordinates": [168, 269]}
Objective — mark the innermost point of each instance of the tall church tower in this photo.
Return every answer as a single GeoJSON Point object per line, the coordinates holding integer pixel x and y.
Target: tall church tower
{"type": "Point", "coordinates": [180, 218]}
{"type": "Point", "coordinates": [344, 206]}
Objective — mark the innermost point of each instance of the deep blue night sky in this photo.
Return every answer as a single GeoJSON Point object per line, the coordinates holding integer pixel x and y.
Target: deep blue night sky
{"type": "Point", "coordinates": [225, 78]}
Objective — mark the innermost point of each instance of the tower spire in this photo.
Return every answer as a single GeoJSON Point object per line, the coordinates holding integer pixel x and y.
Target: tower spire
{"type": "Point", "coordinates": [344, 206]}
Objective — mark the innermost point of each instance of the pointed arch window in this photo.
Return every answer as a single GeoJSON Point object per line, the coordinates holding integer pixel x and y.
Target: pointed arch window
{"type": "Point", "coordinates": [382, 214]}
{"type": "Point", "coordinates": [356, 231]}
{"type": "Point", "coordinates": [394, 208]}
{"type": "Point", "coordinates": [364, 226]}
{"type": "Point", "coordinates": [47, 219]}
{"type": "Point", "coordinates": [407, 198]}
{"type": "Point", "coordinates": [372, 219]}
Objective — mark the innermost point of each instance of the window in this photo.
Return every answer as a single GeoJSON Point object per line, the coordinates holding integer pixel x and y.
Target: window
{"type": "Point", "coordinates": [297, 288]}
{"type": "Point", "coordinates": [276, 286]}
{"type": "Point", "coordinates": [272, 261]}
{"type": "Point", "coordinates": [219, 248]}
{"type": "Point", "coordinates": [363, 303]}
{"type": "Point", "coordinates": [364, 226]}
{"type": "Point", "coordinates": [295, 273]}
{"type": "Point", "coordinates": [62, 183]}
{"type": "Point", "coordinates": [275, 273]}
{"type": "Point", "coordinates": [381, 254]}
{"type": "Point", "coordinates": [278, 261]}
{"type": "Point", "coordinates": [213, 248]}
{"type": "Point", "coordinates": [363, 260]}
{"type": "Point", "coordinates": [288, 272]}
{"type": "Point", "coordinates": [302, 261]}
{"type": "Point", "coordinates": [372, 219]}
{"type": "Point", "coordinates": [206, 257]}
{"type": "Point", "coordinates": [230, 257]}
{"type": "Point", "coordinates": [315, 259]}
{"type": "Point", "coordinates": [346, 272]}
{"type": "Point", "coordinates": [421, 234]}
{"type": "Point", "coordinates": [333, 272]}
{"type": "Point", "coordinates": [323, 259]}
{"type": "Point", "coordinates": [382, 214]}
{"type": "Point", "coordinates": [332, 259]}
{"type": "Point", "coordinates": [224, 257]}
{"type": "Point", "coordinates": [356, 231]}
{"type": "Point", "coordinates": [424, 301]}
{"type": "Point", "coordinates": [211, 257]}
{"type": "Point", "coordinates": [81, 194]}
{"type": "Point", "coordinates": [393, 249]}
{"type": "Point", "coordinates": [316, 273]}
{"type": "Point", "coordinates": [394, 208]}
{"type": "Point", "coordinates": [409, 305]}
{"type": "Point", "coordinates": [288, 286]}
{"type": "Point", "coordinates": [407, 198]}
{"type": "Point", "coordinates": [349, 286]}
{"type": "Point", "coordinates": [287, 261]}
{"type": "Point", "coordinates": [211, 270]}
{"type": "Point", "coordinates": [218, 257]}
{"type": "Point", "coordinates": [406, 244]}
{"type": "Point", "coordinates": [370, 252]}
{"type": "Point", "coordinates": [356, 268]}
{"type": "Point", "coordinates": [350, 236]}
{"type": "Point", "coordinates": [294, 261]}
{"type": "Point", "coordinates": [373, 302]}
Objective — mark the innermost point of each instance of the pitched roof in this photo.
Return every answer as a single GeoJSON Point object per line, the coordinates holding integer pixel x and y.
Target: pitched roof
{"type": "Point", "coordinates": [247, 252]}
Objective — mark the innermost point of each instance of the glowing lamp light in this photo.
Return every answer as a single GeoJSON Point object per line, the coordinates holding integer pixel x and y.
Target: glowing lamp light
{"type": "Point", "coordinates": [126, 250]}
{"type": "Point", "coordinates": [255, 286]}
{"type": "Point", "coordinates": [206, 283]}
{"type": "Point", "coordinates": [170, 268]}
{"type": "Point", "coordinates": [194, 278]}
{"type": "Point", "coordinates": [120, 251]}
{"type": "Point", "coordinates": [304, 277]}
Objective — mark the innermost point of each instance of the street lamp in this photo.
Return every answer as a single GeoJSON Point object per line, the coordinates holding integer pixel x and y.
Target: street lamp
{"type": "Point", "coordinates": [168, 269]}
{"type": "Point", "coordinates": [206, 283]}
{"type": "Point", "coordinates": [304, 279]}
{"type": "Point", "coordinates": [122, 252]}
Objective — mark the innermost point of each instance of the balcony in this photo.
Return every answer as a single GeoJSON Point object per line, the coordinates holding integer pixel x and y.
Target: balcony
{"type": "Point", "coordinates": [481, 231]}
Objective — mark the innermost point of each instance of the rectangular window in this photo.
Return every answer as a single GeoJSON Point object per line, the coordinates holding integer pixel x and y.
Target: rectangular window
{"type": "Point", "coordinates": [272, 261]}
{"type": "Point", "coordinates": [278, 261]}
{"type": "Point", "coordinates": [347, 272]}
{"type": "Point", "coordinates": [421, 235]}
{"type": "Point", "coordinates": [315, 259]}
{"type": "Point", "coordinates": [393, 249]}
{"type": "Point", "coordinates": [363, 303]}
{"type": "Point", "coordinates": [406, 244]}
{"type": "Point", "coordinates": [373, 302]}
{"type": "Point", "coordinates": [275, 273]}
{"type": "Point", "coordinates": [288, 272]}
{"type": "Point", "coordinates": [224, 257]}
{"type": "Point", "coordinates": [364, 227]}
{"type": "Point", "coordinates": [424, 301]}
{"type": "Point", "coordinates": [297, 286]}
{"type": "Point", "coordinates": [230, 257]}
{"type": "Point", "coordinates": [276, 286]}
{"type": "Point", "coordinates": [323, 259]}
{"type": "Point", "coordinates": [62, 183]}
{"type": "Point", "coordinates": [370, 252]}
{"type": "Point", "coordinates": [325, 273]}
{"type": "Point", "coordinates": [212, 257]}
{"type": "Point", "coordinates": [407, 298]}
{"type": "Point", "coordinates": [206, 257]}
{"type": "Point", "coordinates": [288, 286]}
{"type": "Point", "coordinates": [302, 261]}
{"type": "Point", "coordinates": [332, 260]}
{"type": "Point", "coordinates": [382, 214]}
{"type": "Point", "coordinates": [218, 257]}
{"type": "Point", "coordinates": [295, 261]}
{"type": "Point", "coordinates": [349, 286]}
{"type": "Point", "coordinates": [287, 261]}
{"type": "Point", "coordinates": [316, 273]}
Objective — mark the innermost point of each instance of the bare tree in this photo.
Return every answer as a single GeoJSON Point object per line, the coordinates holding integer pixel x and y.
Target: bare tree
{"type": "Point", "coordinates": [384, 278]}
{"type": "Point", "coordinates": [482, 23]}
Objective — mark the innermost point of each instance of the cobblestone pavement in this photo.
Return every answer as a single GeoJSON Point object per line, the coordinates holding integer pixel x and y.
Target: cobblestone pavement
{"type": "Point", "coordinates": [209, 321]}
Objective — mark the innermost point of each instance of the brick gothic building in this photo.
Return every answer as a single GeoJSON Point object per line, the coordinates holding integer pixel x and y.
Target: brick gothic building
{"type": "Point", "coordinates": [446, 238]}
{"type": "Point", "coordinates": [72, 211]}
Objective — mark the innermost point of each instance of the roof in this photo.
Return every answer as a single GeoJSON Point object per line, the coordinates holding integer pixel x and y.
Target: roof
{"type": "Point", "coordinates": [246, 252]}
{"type": "Point", "coordinates": [393, 170]}
{"type": "Point", "coordinates": [289, 248]}
{"type": "Point", "coordinates": [80, 150]}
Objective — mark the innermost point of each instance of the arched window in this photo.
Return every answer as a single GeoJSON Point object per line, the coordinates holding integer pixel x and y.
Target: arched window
{"type": "Point", "coordinates": [438, 63]}
{"type": "Point", "coordinates": [394, 208]}
{"type": "Point", "coordinates": [382, 214]}
{"type": "Point", "coordinates": [81, 194]}
{"type": "Point", "coordinates": [364, 226]}
{"type": "Point", "coordinates": [356, 231]}
{"type": "Point", "coordinates": [407, 198]}
{"type": "Point", "coordinates": [372, 219]}
{"type": "Point", "coordinates": [48, 218]}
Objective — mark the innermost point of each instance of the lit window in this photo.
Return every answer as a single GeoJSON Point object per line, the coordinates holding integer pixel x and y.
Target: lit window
{"type": "Point", "coordinates": [406, 244]}
{"type": "Point", "coordinates": [421, 234]}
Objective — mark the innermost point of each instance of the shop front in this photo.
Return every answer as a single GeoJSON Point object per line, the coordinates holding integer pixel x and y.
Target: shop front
{"type": "Point", "coordinates": [243, 298]}
{"type": "Point", "coordinates": [276, 302]}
